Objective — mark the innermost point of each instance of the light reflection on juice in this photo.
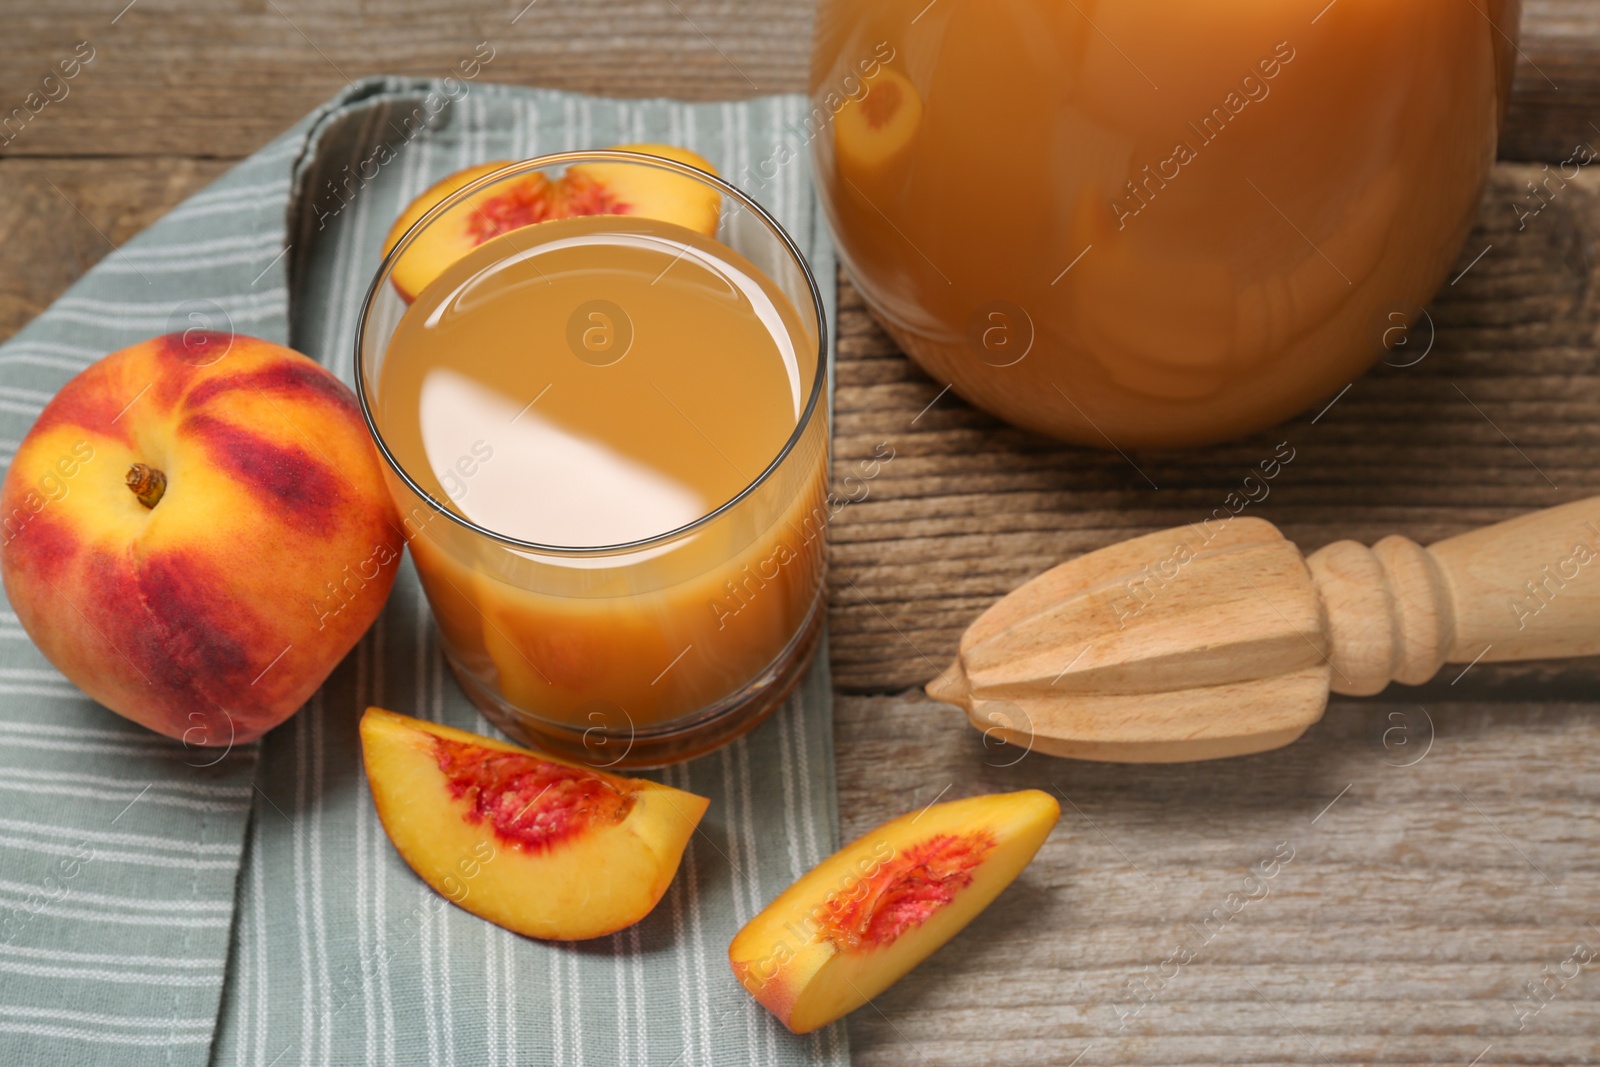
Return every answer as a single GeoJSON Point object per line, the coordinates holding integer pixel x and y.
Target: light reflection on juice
{"type": "Point", "coordinates": [1152, 222]}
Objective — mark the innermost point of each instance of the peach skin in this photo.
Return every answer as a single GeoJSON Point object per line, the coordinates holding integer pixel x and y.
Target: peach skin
{"type": "Point", "coordinates": [863, 917]}
{"type": "Point", "coordinates": [585, 189]}
{"type": "Point", "coordinates": [540, 846]}
{"type": "Point", "coordinates": [195, 531]}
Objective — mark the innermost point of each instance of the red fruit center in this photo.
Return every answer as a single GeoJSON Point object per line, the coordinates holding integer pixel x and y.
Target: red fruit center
{"type": "Point", "coordinates": [530, 803]}
{"type": "Point", "coordinates": [880, 104]}
{"type": "Point", "coordinates": [904, 890]}
{"type": "Point", "coordinates": [537, 199]}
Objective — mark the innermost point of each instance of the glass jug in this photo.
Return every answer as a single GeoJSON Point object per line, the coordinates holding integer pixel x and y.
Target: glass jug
{"type": "Point", "coordinates": [1140, 223]}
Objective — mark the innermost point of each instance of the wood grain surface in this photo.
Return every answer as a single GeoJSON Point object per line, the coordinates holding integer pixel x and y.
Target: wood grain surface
{"type": "Point", "coordinates": [1415, 910]}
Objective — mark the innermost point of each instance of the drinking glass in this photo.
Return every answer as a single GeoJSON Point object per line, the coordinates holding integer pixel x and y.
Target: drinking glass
{"type": "Point", "coordinates": [659, 649]}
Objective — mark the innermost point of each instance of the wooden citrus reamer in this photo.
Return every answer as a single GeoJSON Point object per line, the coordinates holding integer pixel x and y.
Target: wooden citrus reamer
{"type": "Point", "coordinates": [1221, 639]}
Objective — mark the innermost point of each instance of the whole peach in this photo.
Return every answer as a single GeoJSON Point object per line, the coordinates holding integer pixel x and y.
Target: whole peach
{"type": "Point", "coordinates": [195, 532]}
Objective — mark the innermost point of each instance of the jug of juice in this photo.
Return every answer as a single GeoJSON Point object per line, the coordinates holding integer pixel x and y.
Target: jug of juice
{"type": "Point", "coordinates": [1132, 222]}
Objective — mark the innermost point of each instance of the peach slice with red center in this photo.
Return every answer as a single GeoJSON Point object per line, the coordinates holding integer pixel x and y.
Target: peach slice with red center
{"type": "Point", "coordinates": [539, 846]}
{"type": "Point", "coordinates": [585, 189]}
{"type": "Point", "coordinates": [874, 130]}
{"type": "Point", "coordinates": [863, 917]}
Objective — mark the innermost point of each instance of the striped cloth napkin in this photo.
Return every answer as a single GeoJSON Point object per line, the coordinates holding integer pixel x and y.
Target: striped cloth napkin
{"type": "Point", "coordinates": [159, 905]}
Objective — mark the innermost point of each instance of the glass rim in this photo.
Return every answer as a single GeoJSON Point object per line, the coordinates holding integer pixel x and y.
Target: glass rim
{"type": "Point", "coordinates": [543, 162]}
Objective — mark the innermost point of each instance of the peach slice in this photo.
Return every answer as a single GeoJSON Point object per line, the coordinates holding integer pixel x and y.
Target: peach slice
{"type": "Point", "coordinates": [863, 917]}
{"type": "Point", "coordinates": [539, 846]}
{"type": "Point", "coordinates": [585, 189]}
{"type": "Point", "coordinates": [872, 131]}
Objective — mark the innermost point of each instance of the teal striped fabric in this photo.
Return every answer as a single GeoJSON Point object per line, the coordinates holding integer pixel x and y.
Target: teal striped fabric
{"type": "Point", "coordinates": [252, 912]}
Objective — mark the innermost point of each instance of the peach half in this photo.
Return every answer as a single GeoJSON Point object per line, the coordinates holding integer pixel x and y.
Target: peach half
{"type": "Point", "coordinates": [585, 189]}
{"type": "Point", "coordinates": [874, 130]}
{"type": "Point", "coordinates": [539, 846]}
{"type": "Point", "coordinates": [863, 917]}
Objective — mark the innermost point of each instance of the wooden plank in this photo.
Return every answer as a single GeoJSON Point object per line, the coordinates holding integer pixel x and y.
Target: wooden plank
{"type": "Point", "coordinates": [1418, 903]}
{"type": "Point", "coordinates": [1557, 83]}
{"type": "Point", "coordinates": [1501, 416]}
{"type": "Point", "coordinates": [60, 217]}
{"type": "Point", "coordinates": [222, 79]}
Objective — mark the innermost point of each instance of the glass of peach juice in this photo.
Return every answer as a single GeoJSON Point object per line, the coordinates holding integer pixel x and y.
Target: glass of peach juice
{"type": "Point", "coordinates": [607, 437]}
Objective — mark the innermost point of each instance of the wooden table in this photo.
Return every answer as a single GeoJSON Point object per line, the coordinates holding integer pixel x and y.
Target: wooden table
{"type": "Point", "coordinates": [1444, 839]}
